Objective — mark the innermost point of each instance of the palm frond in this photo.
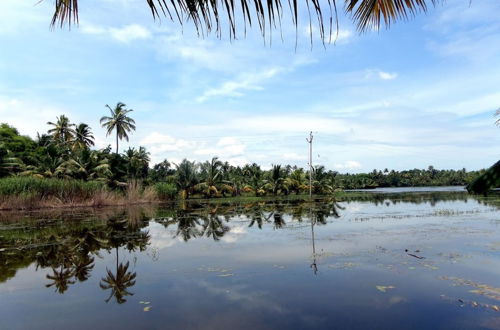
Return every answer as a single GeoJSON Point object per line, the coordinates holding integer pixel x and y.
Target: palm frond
{"type": "Point", "coordinates": [210, 15]}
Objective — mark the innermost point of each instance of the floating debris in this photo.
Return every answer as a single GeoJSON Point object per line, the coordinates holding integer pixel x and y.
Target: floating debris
{"type": "Point", "coordinates": [225, 275]}
{"type": "Point", "coordinates": [144, 302]}
{"type": "Point", "coordinates": [383, 288]}
{"type": "Point", "coordinates": [147, 308]}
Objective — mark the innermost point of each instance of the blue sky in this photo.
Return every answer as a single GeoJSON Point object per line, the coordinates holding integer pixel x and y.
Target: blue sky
{"type": "Point", "coordinates": [423, 92]}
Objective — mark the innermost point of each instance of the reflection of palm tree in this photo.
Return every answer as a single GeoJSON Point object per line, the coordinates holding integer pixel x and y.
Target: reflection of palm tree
{"type": "Point", "coordinates": [60, 279]}
{"type": "Point", "coordinates": [213, 227]}
{"type": "Point", "coordinates": [83, 267]}
{"type": "Point", "coordinates": [118, 282]}
{"type": "Point", "coordinates": [186, 227]}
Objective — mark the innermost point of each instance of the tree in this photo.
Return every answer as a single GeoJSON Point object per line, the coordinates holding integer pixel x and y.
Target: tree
{"type": "Point", "coordinates": [84, 138]}
{"type": "Point", "coordinates": [208, 15]}
{"type": "Point", "coordinates": [211, 174]}
{"type": "Point", "coordinates": [497, 113]}
{"type": "Point", "coordinates": [62, 130]}
{"type": "Point", "coordinates": [137, 162]}
{"type": "Point", "coordinates": [119, 122]}
{"type": "Point", "coordinates": [186, 177]}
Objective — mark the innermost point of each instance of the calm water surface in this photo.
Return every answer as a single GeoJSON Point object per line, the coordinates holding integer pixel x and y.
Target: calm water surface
{"type": "Point", "coordinates": [369, 261]}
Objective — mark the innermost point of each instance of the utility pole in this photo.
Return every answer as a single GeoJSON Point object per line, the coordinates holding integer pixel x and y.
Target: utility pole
{"type": "Point", "coordinates": [310, 141]}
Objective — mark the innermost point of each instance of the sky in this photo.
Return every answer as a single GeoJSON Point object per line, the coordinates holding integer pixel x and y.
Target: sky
{"type": "Point", "coordinates": [423, 92]}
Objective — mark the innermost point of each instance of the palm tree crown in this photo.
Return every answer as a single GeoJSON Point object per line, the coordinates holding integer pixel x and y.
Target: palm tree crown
{"type": "Point", "coordinates": [209, 15]}
{"type": "Point", "coordinates": [83, 137]}
{"type": "Point", "coordinates": [119, 122]}
{"type": "Point", "coordinates": [62, 130]}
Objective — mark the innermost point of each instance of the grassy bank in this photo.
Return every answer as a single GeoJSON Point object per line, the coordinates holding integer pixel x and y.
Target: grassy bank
{"type": "Point", "coordinates": [25, 193]}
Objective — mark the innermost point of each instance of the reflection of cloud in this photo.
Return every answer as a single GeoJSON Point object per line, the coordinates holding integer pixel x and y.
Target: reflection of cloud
{"type": "Point", "coordinates": [234, 234]}
{"type": "Point", "coordinates": [397, 300]}
{"type": "Point", "coordinates": [160, 237]}
{"type": "Point", "coordinates": [249, 298]}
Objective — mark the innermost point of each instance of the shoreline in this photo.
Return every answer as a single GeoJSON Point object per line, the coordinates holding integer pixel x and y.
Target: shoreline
{"type": "Point", "coordinates": [55, 204]}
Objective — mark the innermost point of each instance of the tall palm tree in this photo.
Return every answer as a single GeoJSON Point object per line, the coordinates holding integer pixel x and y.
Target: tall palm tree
{"type": "Point", "coordinates": [62, 130]}
{"type": "Point", "coordinates": [497, 113]}
{"type": "Point", "coordinates": [208, 15]}
{"type": "Point", "coordinates": [119, 122]}
{"type": "Point", "coordinates": [83, 137]}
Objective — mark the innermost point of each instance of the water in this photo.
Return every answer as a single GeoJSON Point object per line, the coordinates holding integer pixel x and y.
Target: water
{"type": "Point", "coordinates": [368, 261]}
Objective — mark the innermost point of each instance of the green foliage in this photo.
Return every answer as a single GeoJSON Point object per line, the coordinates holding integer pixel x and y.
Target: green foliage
{"type": "Point", "coordinates": [65, 190]}
{"type": "Point", "coordinates": [487, 181]}
{"type": "Point", "coordinates": [165, 191]}
{"type": "Point", "coordinates": [119, 122]}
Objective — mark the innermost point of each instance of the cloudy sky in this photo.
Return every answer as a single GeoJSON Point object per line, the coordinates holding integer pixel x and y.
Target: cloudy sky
{"type": "Point", "coordinates": [423, 92]}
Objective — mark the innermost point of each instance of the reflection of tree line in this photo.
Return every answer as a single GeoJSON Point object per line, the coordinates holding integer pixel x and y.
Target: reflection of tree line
{"type": "Point", "coordinates": [69, 247]}
{"type": "Point", "coordinates": [69, 250]}
{"type": "Point", "coordinates": [194, 220]}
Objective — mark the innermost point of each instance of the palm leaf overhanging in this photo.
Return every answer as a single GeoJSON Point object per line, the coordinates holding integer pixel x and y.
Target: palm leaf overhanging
{"type": "Point", "coordinates": [210, 15]}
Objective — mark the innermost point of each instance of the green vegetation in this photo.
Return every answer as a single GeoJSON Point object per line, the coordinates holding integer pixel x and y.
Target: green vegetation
{"type": "Point", "coordinates": [488, 180]}
{"type": "Point", "coordinates": [61, 168]}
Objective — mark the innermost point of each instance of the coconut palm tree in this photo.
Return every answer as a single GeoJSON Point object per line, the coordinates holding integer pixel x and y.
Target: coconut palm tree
{"type": "Point", "coordinates": [83, 137]}
{"type": "Point", "coordinates": [276, 181]}
{"type": "Point", "coordinates": [208, 16]}
{"type": "Point", "coordinates": [62, 130]}
{"type": "Point", "coordinates": [119, 122]}
{"type": "Point", "coordinates": [497, 113]}
{"type": "Point", "coordinates": [211, 174]}
{"type": "Point", "coordinates": [186, 177]}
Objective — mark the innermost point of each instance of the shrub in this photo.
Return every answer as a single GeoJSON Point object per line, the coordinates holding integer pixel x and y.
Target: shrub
{"type": "Point", "coordinates": [165, 191]}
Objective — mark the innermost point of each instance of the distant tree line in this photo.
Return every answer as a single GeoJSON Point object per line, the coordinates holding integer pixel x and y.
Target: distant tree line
{"type": "Point", "coordinates": [66, 152]}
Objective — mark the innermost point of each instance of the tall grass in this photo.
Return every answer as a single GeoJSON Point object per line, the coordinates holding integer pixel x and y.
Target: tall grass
{"type": "Point", "coordinates": [64, 190]}
{"type": "Point", "coordinates": [31, 193]}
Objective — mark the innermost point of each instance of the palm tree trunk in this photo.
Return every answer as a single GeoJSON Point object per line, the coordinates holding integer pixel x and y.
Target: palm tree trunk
{"type": "Point", "coordinates": [117, 142]}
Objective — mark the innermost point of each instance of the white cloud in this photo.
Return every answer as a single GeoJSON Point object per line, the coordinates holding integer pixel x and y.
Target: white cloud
{"type": "Point", "coordinates": [125, 34]}
{"type": "Point", "coordinates": [226, 146]}
{"type": "Point", "coordinates": [29, 117]}
{"type": "Point", "coordinates": [387, 75]}
{"type": "Point", "coordinates": [348, 165]}
{"type": "Point", "coordinates": [248, 81]}
{"type": "Point", "coordinates": [159, 144]}
{"type": "Point", "coordinates": [293, 156]}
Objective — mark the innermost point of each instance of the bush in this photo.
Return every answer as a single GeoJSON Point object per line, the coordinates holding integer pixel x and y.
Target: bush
{"type": "Point", "coordinates": [165, 191]}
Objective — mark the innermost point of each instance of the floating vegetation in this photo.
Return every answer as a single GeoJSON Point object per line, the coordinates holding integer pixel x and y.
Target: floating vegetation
{"type": "Point", "coordinates": [383, 288]}
{"type": "Point", "coordinates": [471, 303]}
{"type": "Point", "coordinates": [345, 265]}
{"type": "Point", "coordinates": [147, 308]}
{"type": "Point", "coordinates": [481, 289]}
